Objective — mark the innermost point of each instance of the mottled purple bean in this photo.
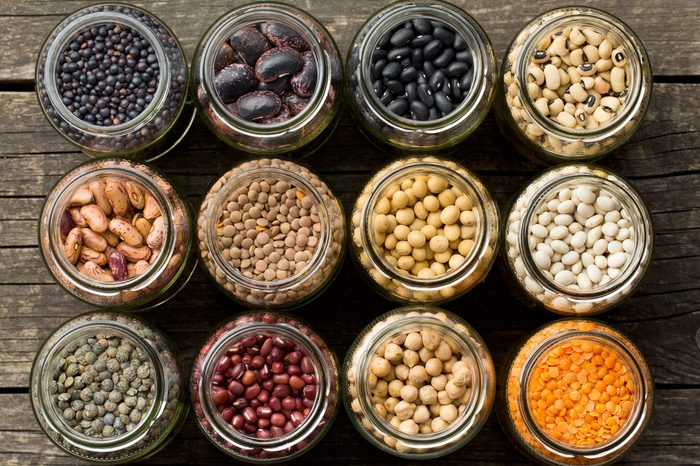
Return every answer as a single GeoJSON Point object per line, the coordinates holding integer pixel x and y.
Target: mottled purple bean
{"type": "Point", "coordinates": [278, 86]}
{"type": "Point", "coordinates": [283, 115]}
{"type": "Point", "coordinates": [257, 105]}
{"type": "Point", "coordinates": [224, 57]}
{"type": "Point", "coordinates": [248, 43]}
{"type": "Point", "coordinates": [118, 265]}
{"type": "Point", "coordinates": [234, 81]}
{"type": "Point", "coordinates": [304, 82]}
{"type": "Point", "coordinates": [284, 36]}
{"type": "Point", "coordinates": [277, 62]}
{"type": "Point", "coordinates": [295, 103]}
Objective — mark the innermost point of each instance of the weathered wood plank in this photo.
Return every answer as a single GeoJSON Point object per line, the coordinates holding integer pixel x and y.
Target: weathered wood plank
{"type": "Point", "coordinates": [673, 50]}
{"type": "Point", "coordinates": [24, 442]}
{"type": "Point", "coordinates": [666, 143]}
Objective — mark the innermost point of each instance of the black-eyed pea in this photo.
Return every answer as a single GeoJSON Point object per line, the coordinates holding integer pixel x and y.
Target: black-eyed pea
{"type": "Point", "coordinates": [73, 245]}
{"type": "Point", "coordinates": [536, 74]}
{"type": "Point", "coordinates": [564, 79]}
{"type": "Point", "coordinates": [593, 37]}
{"type": "Point", "coordinates": [556, 107]}
{"type": "Point", "coordinates": [581, 116]}
{"type": "Point", "coordinates": [603, 65]}
{"type": "Point", "coordinates": [601, 115]}
{"type": "Point", "coordinates": [610, 103]}
{"type": "Point", "coordinates": [93, 240]}
{"type": "Point", "coordinates": [605, 49]}
{"type": "Point", "coordinates": [617, 79]}
{"type": "Point", "coordinates": [566, 119]}
{"type": "Point", "coordinates": [618, 57]}
{"type": "Point", "coordinates": [550, 95]}
{"type": "Point", "coordinates": [541, 55]}
{"type": "Point", "coordinates": [97, 188]}
{"type": "Point", "coordinates": [552, 77]}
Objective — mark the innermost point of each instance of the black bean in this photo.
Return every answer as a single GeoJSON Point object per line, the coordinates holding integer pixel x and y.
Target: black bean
{"type": "Point", "coordinates": [377, 68]}
{"type": "Point", "coordinates": [398, 106]}
{"type": "Point", "coordinates": [378, 87]}
{"type": "Point", "coordinates": [466, 82]}
{"type": "Point", "coordinates": [444, 59]}
{"type": "Point", "coordinates": [284, 36]}
{"type": "Point", "coordinates": [456, 68]}
{"type": "Point", "coordinates": [442, 102]}
{"type": "Point", "coordinates": [419, 110]}
{"type": "Point", "coordinates": [421, 41]}
{"type": "Point", "coordinates": [436, 80]}
{"type": "Point", "coordinates": [455, 89]}
{"type": "Point", "coordinates": [422, 79]}
{"type": "Point", "coordinates": [277, 62]}
{"type": "Point", "coordinates": [398, 53]}
{"type": "Point", "coordinates": [395, 86]}
{"type": "Point", "coordinates": [387, 97]}
{"type": "Point", "coordinates": [378, 54]}
{"type": "Point", "coordinates": [391, 70]}
{"type": "Point", "coordinates": [429, 69]}
{"type": "Point", "coordinates": [433, 49]}
{"type": "Point", "coordinates": [234, 81]}
{"type": "Point", "coordinates": [385, 41]}
{"type": "Point", "coordinates": [458, 43]}
{"type": "Point", "coordinates": [257, 105]}
{"type": "Point", "coordinates": [425, 94]}
{"type": "Point", "coordinates": [248, 43]}
{"type": "Point", "coordinates": [421, 25]}
{"type": "Point", "coordinates": [417, 58]}
{"type": "Point", "coordinates": [437, 24]}
{"type": "Point", "coordinates": [411, 91]}
{"type": "Point", "coordinates": [402, 37]}
{"type": "Point", "coordinates": [464, 56]}
{"type": "Point", "coordinates": [444, 35]}
{"type": "Point", "coordinates": [434, 114]}
{"type": "Point", "coordinates": [408, 75]}
{"type": "Point", "coordinates": [406, 62]}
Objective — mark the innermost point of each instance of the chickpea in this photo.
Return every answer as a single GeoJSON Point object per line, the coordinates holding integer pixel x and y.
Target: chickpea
{"type": "Point", "coordinates": [409, 393]}
{"type": "Point", "coordinates": [380, 367]}
{"type": "Point", "coordinates": [439, 382]}
{"type": "Point", "coordinates": [461, 373]}
{"type": "Point", "coordinates": [421, 414]}
{"type": "Point", "coordinates": [395, 421]}
{"type": "Point", "coordinates": [404, 410]}
{"type": "Point", "coordinates": [431, 339]}
{"type": "Point", "coordinates": [425, 355]}
{"type": "Point", "coordinates": [438, 424]}
{"type": "Point", "coordinates": [401, 371]}
{"type": "Point", "coordinates": [409, 427]}
{"type": "Point", "coordinates": [410, 358]}
{"type": "Point", "coordinates": [434, 367]}
{"type": "Point", "coordinates": [444, 398]}
{"type": "Point", "coordinates": [413, 341]}
{"type": "Point", "coordinates": [393, 353]}
{"type": "Point", "coordinates": [448, 413]}
{"type": "Point", "coordinates": [425, 428]}
{"type": "Point", "coordinates": [394, 388]}
{"type": "Point", "coordinates": [435, 409]}
{"type": "Point", "coordinates": [381, 388]}
{"type": "Point", "coordinates": [390, 403]}
{"type": "Point", "coordinates": [381, 410]}
{"type": "Point", "coordinates": [453, 390]}
{"type": "Point", "coordinates": [428, 395]}
{"type": "Point", "coordinates": [372, 380]}
{"type": "Point", "coordinates": [417, 375]}
{"type": "Point", "coordinates": [443, 352]}
{"type": "Point", "coordinates": [449, 363]}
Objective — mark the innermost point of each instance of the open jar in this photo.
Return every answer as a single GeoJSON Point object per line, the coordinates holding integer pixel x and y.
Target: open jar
{"type": "Point", "coordinates": [267, 79]}
{"type": "Point", "coordinates": [265, 388]}
{"type": "Point", "coordinates": [116, 233]}
{"type": "Point", "coordinates": [578, 240]}
{"type": "Point", "coordinates": [108, 388]}
{"type": "Point", "coordinates": [418, 382]}
{"type": "Point", "coordinates": [575, 84]}
{"type": "Point", "coordinates": [271, 234]}
{"type": "Point", "coordinates": [425, 229]}
{"type": "Point", "coordinates": [421, 75]}
{"type": "Point", "coordinates": [576, 392]}
{"type": "Point", "coordinates": [112, 79]}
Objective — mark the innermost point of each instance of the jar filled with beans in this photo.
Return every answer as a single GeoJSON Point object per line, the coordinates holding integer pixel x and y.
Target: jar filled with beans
{"type": "Point", "coordinates": [108, 388]}
{"type": "Point", "coordinates": [424, 230]}
{"type": "Point", "coordinates": [271, 233]}
{"type": "Point", "coordinates": [418, 382]}
{"type": "Point", "coordinates": [116, 233]}
{"type": "Point", "coordinates": [575, 84]}
{"type": "Point", "coordinates": [267, 79]}
{"type": "Point", "coordinates": [113, 80]}
{"type": "Point", "coordinates": [576, 392]}
{"type": "Point", "coordinates": [578, 240]}
{"type": "Point", "coordinates": [421, 75]}
{"type": "Point", "coordinates": [265, 387]}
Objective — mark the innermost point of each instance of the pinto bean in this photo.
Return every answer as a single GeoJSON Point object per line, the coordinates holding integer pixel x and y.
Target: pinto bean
{"type": "Point", "coordinates": [136, 269]}
{"type": "Point", "coordinates": [73, 245]}
{"type": "Point", "coordinates": [94, 271]}
{"type": "Point", "coordinates": [118, 197]}
{"type": "Point", "coordinates": [141, 224]}
{"type": "Point", "coordinates": [90, 255]}
{"type": "Point", "coordinates": [134, 253]}
{"type": "Point", "coordinates": [112, 239]}
{"type": "Point", "coordinates": [80, 197]}
{"type": "Point", "coordinates": [126, 231]}
{"type": "Point", "coordinates": [95, 218]}
{"type": "Point", "coordinates": [94, 240]}
{"type": "Point", "coordinates": [77, 217]}
{"type": "Point", "coordinates": [98, 191]}
{"type": "Point", "coordinates": [151, 209]}
{"type": "Point", "coordinates": [155, 237]}
{"type": "Point", "coordinates": [135, 194]}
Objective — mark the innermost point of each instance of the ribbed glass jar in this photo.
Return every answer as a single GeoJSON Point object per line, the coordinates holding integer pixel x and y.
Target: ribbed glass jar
{"type": "Point", "coordinates": [162, 123]}
{"type": "Point", "coordinates": [364, 398]}
{"type": "Point", "coordinates": [383, 274]}
{"type": "Point", "coordinates": [169, 266]}
{"type": "Point", "coordinates": [537, 286]}
{"type": "Point", "coordinates": [223, 257]}
{"type": "Point", "coordinates": [213, 357]}
{"type": "Point", "coordinates": [599, 444]}
{"type": "Point", "coordinates": [539, 137]}
{"type": "Point", "coordinates": [159, 421]}
{"type": "Point", "coordinates": [318, 118]}
{"type": "Point", "coordinates": [393, 131]}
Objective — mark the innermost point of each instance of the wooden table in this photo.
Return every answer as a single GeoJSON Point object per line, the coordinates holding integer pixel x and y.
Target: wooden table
{"type": "Point", "coordinates": [662, 160]}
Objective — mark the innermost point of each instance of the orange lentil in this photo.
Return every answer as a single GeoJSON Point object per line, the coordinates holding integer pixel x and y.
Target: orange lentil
{"type": "Point", "coordinates": [582, 393]}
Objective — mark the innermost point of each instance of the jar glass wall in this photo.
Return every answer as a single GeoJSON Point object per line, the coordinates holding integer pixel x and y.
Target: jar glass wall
{"type": "Point", "coordinates": [418, 382]}
{"type": "Point", "coordinates": [454, 222]}
{"type": "Point", "coordinates": [578, 240]}
{"type": "Point", "coordinates": [271, 234]}
{"type": "Point", "coordinates": [467, 104]}
{"type": "Point", "coordinates": [239, 55]}
{"type": "Point", "coordinates": [602, 381]}
{"type": "Point", "coordinates": [113, 80]}
{"type": "Point", "coordinates": [579, 114]}
{"type": "Point", "coordinates": [116, 233]}
{"type": "Point", "coordinates": [108, 388]}
{"type": "Point", "coordinates": [265, 388]}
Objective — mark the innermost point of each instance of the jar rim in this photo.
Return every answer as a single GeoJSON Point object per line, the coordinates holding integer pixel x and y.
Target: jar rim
{"type": "Point", "coordinates": [213, 213]}
{"type": "Point", "coordinates": [464, 24]}
{"type": "Point", "coordinates": [253, 13]}
{"type": "Point", "coordinates": [559, 17]}
{"type": "Point", "coordinates": [66, 334]}
{"type": "Point", "coordinates": [468, 423]}
{"type": "Point", "coordinates": [436, 166]}
{"type": "Point", "coordinates": [628, 197]}
{"type": "Point", "coordinates": [306, 338]}
{"type": "Point", "coordinates": [79, 21]}
{"type": "Point", "coordinates": [633, 359]}
{"type": "Point", "coordinates": [51, 217]}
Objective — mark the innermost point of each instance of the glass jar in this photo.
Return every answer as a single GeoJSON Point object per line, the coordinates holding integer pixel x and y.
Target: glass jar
{"type": "Point", "coordinates": [318, 118]}
{"type": "Point", "coordinates": [621, 389]}
{"type": "Point", "coordinates": [156, 269]}
{"type": "Point", "coordinates": [231, 257]}
{"type": "Point", "coordinates": [219, 361]}
{"type": "Point", "coordinates": [403, 133]}
{"type": "Point", "coordinates": [387, 277]}
{"type": "Point", "coordinates": [545, 140]}
{"type": "Point", "coordinates": [146, 132]}
{"type": "Point", "coordinates": [521, 246]}
{"type": "Point", "coordinates": [372, 403]}
{"type": "Point", "coordinates": [153, 406]}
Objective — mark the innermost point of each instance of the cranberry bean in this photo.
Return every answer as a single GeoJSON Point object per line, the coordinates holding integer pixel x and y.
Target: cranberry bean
{"type": "Point", "coordinates": [117, 196]}
{"type": "Point", "coordinates": [124, 230]}
{"type": "Point", "coordinates": [134, 253]}
{"type": "Point", "coordinates": [155, 236]}
{"type": "Point", "coordinates": [135, 194]}
{"type": "Point", "coordinates": [151, 209]}
{"type": "Point", "coordinates": [95, 218]}
{"type": "Point", "coordinates": [94, 271]}
{"type": "Point", "coordinates": [77, 217]}
{"type": "Point", "coordinates": [80, 197]}
{"type": "Point", "coordinates": [133, 270]}
{"type": "Point", "coordinates": [87, 254]}
{"type": "Point", "coordinates": [97, 188]}
{"type": "Point", "coordinates": [93, 240]}
{"type": "Point", "coordinates": [73, 245]}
